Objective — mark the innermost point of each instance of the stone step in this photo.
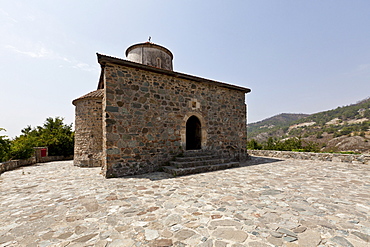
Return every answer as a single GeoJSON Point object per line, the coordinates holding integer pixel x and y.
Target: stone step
{"type": "Point", "coordinates": [196, 158]}
{"type": "Point", "coordinates": [198, 169]}
{"type": "Point", "coordinates": [180, 164]}
{"type": "Point", "coordinates": [192, 153]}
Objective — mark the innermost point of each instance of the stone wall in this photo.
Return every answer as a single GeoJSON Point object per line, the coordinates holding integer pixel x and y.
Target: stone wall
{"type": "Point", "coordinates": [146, 115]}
{"type": "Point", "coordinates": [88, 130]}
{"type": "Point", "coordinates": [54, 158]}
{"type": "Point", "coordinates": [14, 164]}
{"type": "Point", "coordinates": [350, 158]}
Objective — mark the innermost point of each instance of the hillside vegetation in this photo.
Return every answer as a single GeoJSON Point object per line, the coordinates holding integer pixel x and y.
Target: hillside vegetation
{"type": "Point", "coordinates": [345, 128]}
{"type": "Point", "coordinates": [273, 127]}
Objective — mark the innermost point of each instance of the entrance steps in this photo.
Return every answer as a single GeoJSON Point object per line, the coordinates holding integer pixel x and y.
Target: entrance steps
{"type": "Point", "coordinates": [198, 161]}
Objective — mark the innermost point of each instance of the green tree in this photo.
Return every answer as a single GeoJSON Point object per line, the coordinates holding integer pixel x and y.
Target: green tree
{"type": "Point", "coordinates": [253, 144]}
{"type": "Point", "coordinates": [54, 134]}
{"type": "Point", "coordinates": [57, 136]}
{"type": "Point", "coordinates": [22, 147]}
{"type": "Point", "coordinates": [270, 144]}
{"type": "Point", "coordinates": [290, 144]}
{"type": "Point", "coordinates": [346, 130]}
{"type": "Point", "coordinates": [365, 126]}
{"type": "Point", "coordinates": [311, 147]}
{"type": "Point", "coordinates": [367, 113]}
{"type": "Point", "coordinates": [319, 135]}
{"type": "Point", "coordinates": [4, 147]}
{"type": "Point", "coordinates": [337, 134]}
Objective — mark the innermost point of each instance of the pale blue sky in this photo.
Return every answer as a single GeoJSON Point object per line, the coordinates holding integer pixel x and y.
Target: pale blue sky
{"type": "Point", "coordinates": [297, 56]}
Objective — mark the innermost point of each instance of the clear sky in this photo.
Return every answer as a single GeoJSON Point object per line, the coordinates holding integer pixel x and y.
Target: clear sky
{"type": "Point", "coordinates": [297, 56]}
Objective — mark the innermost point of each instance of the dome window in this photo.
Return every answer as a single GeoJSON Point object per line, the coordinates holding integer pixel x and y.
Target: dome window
{"type": "Point", "coordinates": [159, 62]}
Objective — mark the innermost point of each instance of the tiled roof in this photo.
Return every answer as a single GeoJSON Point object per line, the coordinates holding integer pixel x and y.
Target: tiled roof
{"type": "Point", "coordinates": [103, 59]}
{"type": "Point", "coordinates": [97, 94]}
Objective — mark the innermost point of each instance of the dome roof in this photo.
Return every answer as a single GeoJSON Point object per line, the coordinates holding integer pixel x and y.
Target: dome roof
{"type": "Point", "coordinates": [149, 45]}
{"type": "Point", "coordinates": [150, 54]}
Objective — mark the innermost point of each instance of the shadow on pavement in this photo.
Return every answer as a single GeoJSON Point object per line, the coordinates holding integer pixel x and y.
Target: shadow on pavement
{"type": "Point", "coordinates": [256, 160]}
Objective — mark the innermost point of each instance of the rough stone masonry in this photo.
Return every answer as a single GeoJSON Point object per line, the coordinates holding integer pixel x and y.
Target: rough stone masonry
{"type": "Point", "coordinates": [150, 114]}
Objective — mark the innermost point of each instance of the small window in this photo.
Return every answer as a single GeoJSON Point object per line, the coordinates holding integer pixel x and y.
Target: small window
{"type": "Point", "coordinates": [194, 104]}
{"type": "Point", "coordinates": [159, 62]}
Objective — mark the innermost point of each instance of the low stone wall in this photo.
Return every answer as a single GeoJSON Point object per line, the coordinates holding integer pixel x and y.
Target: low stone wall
{"type": "Point", "coordinates": [14, 164]}
{"type": "Point", "coordinates": [9, 165]}
{"type": "Point", "coordinates": [27, 162]}
{"type": "Point", "coordinates": [349, 158]}
{"type": "Point", "coordinates": [54, 158]}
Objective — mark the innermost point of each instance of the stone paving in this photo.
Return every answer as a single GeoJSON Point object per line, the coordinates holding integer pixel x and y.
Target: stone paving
{"type": "Point", "coordinates": [265, 202]}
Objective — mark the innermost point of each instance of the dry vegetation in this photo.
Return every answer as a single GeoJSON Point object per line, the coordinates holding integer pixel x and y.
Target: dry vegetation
{"type": "Point", "coordinates": [344, 129]}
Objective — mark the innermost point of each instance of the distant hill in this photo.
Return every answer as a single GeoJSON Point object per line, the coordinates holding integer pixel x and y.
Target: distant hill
{"type": "Point", "coordinates": [342, 129]}
{"type": "Point", "coordinates": [273, 126]}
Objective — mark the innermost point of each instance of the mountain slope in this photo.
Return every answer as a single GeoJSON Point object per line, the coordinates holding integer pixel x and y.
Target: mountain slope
{"type": "Point", "coordinates": [341, 129]}
{"type": "Point", "coordinates": [273, 126]}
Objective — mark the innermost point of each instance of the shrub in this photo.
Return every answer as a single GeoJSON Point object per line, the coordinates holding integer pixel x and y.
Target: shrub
{"type": "Point", "coordinates": [54, 134]}
{"type": "Point", "coordinates": [4, 147]}
{"type": "Point", "coordinates": [319, 135]}
{"type": "Point", "coordinates": [253, 144]}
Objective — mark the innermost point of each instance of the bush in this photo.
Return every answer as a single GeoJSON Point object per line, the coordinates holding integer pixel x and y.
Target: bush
{"type": "Point", "coordinates": [22, 147]}
{"type": "Point", "coordinates": [4, 147]}
{"type": "Point", "coordinates": [348, 152]}
{"type": "Point", "coordinates": [57, 136]}
{"type": "Point", "coordinates": [253, 144]}
{"type": "Point", "coordinates": [54, 134]}
{"type": "Point", "coordinates": [311, 147]}
{"type": "Point", "coordinates": [337, 134]}
{"type": "Point", "coordinates": [270, 144]}
{"type": "Point", "coordinates": [319, 135]}
{"type": "Point", "coordinates": [367, 113]}
{"type": "Point", "coordinates": [292, 144]}
{"type": "Point", "coordinates": [289, 144]}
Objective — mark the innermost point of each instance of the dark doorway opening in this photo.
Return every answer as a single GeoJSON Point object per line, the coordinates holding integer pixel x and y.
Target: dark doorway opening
{"type": "Point", "coordinates": [193, 133]}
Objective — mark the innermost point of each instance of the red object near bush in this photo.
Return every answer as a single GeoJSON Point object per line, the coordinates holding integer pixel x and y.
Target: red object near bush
{"type": "Point", "coordinates": [43, 152]}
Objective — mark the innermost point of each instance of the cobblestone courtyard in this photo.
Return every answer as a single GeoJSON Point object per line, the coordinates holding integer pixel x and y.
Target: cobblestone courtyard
{"type": "Point", "coordinates": [265, 202]}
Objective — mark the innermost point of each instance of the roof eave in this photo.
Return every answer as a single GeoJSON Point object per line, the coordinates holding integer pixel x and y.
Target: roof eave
{"type": "Point", "coordinates": [103, 60]}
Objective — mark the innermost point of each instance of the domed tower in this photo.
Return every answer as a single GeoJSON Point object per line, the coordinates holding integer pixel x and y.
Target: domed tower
{"type": "Point", "coordinates": [150, 54]}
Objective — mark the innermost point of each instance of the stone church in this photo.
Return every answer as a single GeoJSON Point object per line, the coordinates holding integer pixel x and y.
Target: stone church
{"type": "Point", "coordinates": [145, 117]}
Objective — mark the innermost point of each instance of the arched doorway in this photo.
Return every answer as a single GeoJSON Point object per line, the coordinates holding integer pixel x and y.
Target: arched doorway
{"type": "Point", "coordinates": [193, 133]}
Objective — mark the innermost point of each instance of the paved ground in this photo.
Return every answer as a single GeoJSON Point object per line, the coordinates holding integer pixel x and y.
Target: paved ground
{"type": "Point", "coordinates": [264, 203]}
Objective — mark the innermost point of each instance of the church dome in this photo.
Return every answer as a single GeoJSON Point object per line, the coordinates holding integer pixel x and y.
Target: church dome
{"type": "Point", "coordinates": [150, 54]}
